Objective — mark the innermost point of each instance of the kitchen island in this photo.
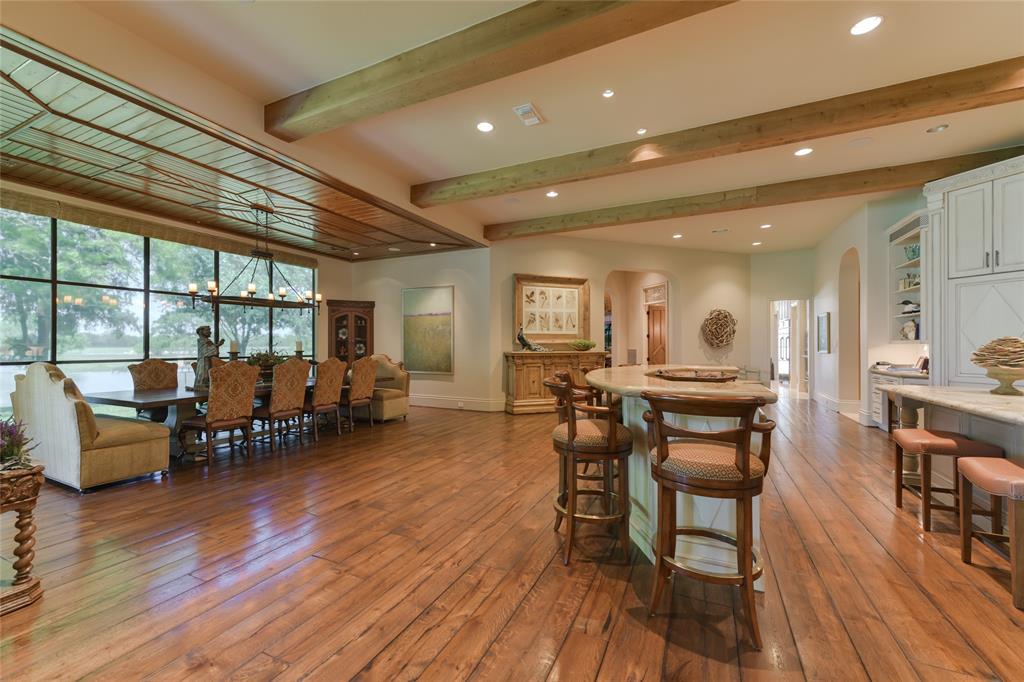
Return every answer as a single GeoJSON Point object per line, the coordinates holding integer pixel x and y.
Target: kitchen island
{"type": "Point", "coordinates": [629, 383]}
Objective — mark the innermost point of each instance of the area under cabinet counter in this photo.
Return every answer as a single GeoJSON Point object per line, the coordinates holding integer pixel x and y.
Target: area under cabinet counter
{"type": "Point", "coordinates": [881, 378]}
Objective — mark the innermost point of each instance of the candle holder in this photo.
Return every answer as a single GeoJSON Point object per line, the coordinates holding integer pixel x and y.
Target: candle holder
{"type": "Point", "coordinates": [233, 355]}
{"type": "Point", "coordinates": [298, 354]}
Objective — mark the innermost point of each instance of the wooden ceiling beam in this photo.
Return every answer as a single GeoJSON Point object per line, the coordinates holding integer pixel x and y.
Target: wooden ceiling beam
{"type": "Point", "coordinates": [527, 37]}
{"type": "Point", "coordinates": [795, 191]}
{"type": "Point", "coordinates": [947, 93]}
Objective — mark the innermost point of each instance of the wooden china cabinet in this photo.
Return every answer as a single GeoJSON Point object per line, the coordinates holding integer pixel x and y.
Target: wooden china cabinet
{"type": "Point", "coordinates": [351, 329]}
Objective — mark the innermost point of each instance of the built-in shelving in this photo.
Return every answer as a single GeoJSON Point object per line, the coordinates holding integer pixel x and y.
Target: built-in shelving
{"type": "Point", "coordinates": [905, 277]}
{"type": "Point", "coordinates": [915, 263]}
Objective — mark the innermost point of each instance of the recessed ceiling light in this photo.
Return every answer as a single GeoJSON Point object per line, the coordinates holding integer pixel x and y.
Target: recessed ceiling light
{"type": "Point", "coordinates": [766, 226]}
{"type": "Point", "coordinates": [433, 244]}
{"type": "Point", "coordinates": [485, 126]}
{"type": "Point", "coordinates": [551, 194]}
{"type": "Point", "coordinates": [803, 151]}
{"type": "Point", "coordinates": [677, 236]}
{"type": "Point", "coordinates": [866, 25]}
{"type": "Point", "coordinates": [755, 244]}
{"type": "Point", "coordinates": [641, 131]}
{"type": "Point", "coordinates": [939, 128]}
{"type": "Point", "coordinates": [608, 93]}
{"type": "Point", "coordinates": [393, 248]}
{"type": "Point", "coordinates": [355, 253]}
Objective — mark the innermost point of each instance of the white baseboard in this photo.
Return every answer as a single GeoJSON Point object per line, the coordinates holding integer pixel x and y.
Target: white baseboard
{"type": "Point", "coordinates": [865, 418]}
{"type": "Point", "coordinates": [830, 402]}
{"type": "Point", "coordinates": [457, 402]}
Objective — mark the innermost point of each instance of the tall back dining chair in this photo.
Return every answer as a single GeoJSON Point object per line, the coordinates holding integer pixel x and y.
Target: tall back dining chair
{"type": "Point", "coordinates": [360, 393]}
{"type": "Point", "coordinates": [326, 398]}
{"type": "Point", "coordinates": [153, 374]}
{"type": "Point", "coordinates": [717, 464]}
{"type": "Point", "coordinates": [228, 407]}
{"type": "Point", "coordinates": [287, 397]}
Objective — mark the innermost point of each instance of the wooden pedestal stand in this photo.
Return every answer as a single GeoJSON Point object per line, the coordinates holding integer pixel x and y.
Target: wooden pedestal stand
{"type": "Point", "coordinates": [19, 490]}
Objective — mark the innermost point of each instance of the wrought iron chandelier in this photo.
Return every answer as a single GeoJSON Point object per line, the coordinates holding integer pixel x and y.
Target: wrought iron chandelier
{"type": "Point", "coordinates": [287, 297]}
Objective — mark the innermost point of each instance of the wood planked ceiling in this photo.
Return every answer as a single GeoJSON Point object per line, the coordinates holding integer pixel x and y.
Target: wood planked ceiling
{"type": "Point", "coordinates": [69, 128]}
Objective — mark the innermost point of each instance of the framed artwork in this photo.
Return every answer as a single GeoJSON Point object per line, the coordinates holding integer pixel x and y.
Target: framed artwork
{"type": "Point", "coordinates": [824, 332]}
{"type": "Point", "coordinates": [551, 310]}
{"type": "Point", "coordinates": [428, 330]}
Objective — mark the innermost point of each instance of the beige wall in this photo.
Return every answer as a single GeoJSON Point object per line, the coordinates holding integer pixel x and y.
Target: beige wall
{"type": "Point", "coordinates": [785, 275]}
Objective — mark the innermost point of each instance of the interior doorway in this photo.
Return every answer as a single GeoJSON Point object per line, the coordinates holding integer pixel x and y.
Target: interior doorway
{"type": "Point", "coordinates": [788, 346]}
{"type": "Point", "coordinates": [657, 334]}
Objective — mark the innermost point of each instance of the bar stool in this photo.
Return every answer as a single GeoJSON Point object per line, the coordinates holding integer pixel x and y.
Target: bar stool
{"type": "Point", "coordinates": [588, 441]}
{"type": "Point", "coordinates": [717, 464]}
{"type": "Point", "coordinates": [926, 443]}
{"type": "Point", "coordinates": [999, 478]}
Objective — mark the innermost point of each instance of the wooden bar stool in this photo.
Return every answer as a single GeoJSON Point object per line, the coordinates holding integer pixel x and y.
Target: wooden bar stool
{"type": "Point", "coordinates": [926, 443]}
{"type": "Point", "coordinates": [999, 478]}
{"type": "Point", "coordinates": [718, 464]}
{"type": "Point", "coordinates": [601, 440]}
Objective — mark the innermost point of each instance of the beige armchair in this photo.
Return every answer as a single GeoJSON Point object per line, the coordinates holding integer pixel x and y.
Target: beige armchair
{"type": "Point", "coordinates": [390, 398]}
{"type": "Point", "coordinates": [79, 448]}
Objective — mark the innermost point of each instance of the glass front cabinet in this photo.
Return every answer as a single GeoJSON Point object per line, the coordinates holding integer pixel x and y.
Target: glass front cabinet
{"type": "Point", "coordinates": [351, 327]}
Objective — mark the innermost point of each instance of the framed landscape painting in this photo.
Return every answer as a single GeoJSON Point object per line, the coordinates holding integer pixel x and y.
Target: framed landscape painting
{"type": "Point", "coordinates": [428, 331]}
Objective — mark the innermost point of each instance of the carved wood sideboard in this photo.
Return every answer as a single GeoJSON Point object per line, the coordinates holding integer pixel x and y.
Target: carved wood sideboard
{"type": "Point", "coordinates": [525, 372]}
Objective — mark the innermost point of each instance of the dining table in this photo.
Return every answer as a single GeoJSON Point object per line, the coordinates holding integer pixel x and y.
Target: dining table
{"type": "Point", "coordinates": [180, 402]}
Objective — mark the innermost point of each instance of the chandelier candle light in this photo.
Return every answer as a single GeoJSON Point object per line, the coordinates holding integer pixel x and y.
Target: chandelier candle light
{"type": "Point", "coordinates": [308, 300]}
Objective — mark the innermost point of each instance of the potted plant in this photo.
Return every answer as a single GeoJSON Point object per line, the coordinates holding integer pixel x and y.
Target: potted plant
{"type": "Point", "coordinates": [266, 362]}
{"type": "Point", "coordinates": [20, 482]}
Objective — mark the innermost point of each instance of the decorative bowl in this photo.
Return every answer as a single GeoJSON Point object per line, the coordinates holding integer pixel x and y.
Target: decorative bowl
{"type": "Point", "coordinates": [581, 344]}
{"type": "Point", "coordinates": [1005, 376]}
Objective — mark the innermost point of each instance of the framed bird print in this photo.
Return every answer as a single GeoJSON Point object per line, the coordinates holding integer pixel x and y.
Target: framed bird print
{"type": "Point", "coordinates": [552, 310]}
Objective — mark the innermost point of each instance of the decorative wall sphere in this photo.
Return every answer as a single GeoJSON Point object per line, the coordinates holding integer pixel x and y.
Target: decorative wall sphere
{"type": "Point", "coordinates": [718, 328]}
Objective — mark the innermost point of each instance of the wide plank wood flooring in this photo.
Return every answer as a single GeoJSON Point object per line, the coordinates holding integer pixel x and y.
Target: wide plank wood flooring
{"type": "Point", "coordinates": [424, 550]}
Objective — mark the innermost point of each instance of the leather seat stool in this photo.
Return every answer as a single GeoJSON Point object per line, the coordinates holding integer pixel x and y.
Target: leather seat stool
{"type": "Point", "coordinates": [999, 478]}
{"type": "Point", "coordinates": [926, 443]}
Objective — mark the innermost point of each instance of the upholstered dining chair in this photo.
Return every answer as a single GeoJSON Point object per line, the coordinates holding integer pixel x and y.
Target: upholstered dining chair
{"type": "Point", "coordinates": [326, 398]}
{"type": "Point", "coordinates": [360, 390]}
{"type": "Point", "coordinates": [717, 464]}
{"type": "Point", "coordinates": [154, 374]}
{"type": "Point", "coordinates": [228, 407]}
{"type": "Point", "coordinates": [287, 397]}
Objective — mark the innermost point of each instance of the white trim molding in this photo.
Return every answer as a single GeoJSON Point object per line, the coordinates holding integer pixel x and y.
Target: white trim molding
{"type": "Point", "coordinates": [448, 402]}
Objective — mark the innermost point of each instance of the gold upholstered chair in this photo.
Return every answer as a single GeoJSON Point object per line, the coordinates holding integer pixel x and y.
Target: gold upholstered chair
{"type": "Point", "coordinates": [228, 407]}
{"type": "Point", "coordinates": [330, 375]}
{"type": "Point", "coordinates": [154, 374]}
{"type": "Point", "coordinates": [287, 397]}
{"type": "Point", "coordinates": [360, 390]}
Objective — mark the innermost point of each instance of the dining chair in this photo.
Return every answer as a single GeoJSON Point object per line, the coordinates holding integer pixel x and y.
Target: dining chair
{"type": "Point", "coordinates": [153, 374]}
{"type": "Point", "coordinates": [360, 390]}
{"type": "Point", "coordinates": [717, 464]}
{"type": "Point", "coordinates": [326, 398]}
{"type": "Point", "coordinates": [287, 397]}
{"type": "Point", "coordinates": [228, 406]}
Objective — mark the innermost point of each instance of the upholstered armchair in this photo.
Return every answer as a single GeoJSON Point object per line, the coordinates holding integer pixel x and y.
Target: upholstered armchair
{"type": "Point", "coordinates": [287, 397]}
{"type": "Point", "coordinates": [153, 374]}
{"type": "Point", "coordinates": [326, 398]}
{"type": "Point", "coordinates": [390, 398]}
{"type": "Point", "coordinates": [229, 405]}
{"type": "Point", "coordinates": [78, 447]}
{"type": "Point", "coordinates": [360, 393]}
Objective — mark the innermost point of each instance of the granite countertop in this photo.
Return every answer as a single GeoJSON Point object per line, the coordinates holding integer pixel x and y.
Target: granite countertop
{"type": "Point", "coordinates": [633, 380]}
{"type": "Point", "coordinates": [977, 401]}
{"type": "Point", "coordinates": [902, 373]}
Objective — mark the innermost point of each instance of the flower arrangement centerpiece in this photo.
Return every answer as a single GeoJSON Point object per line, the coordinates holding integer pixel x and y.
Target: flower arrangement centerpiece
{"type": "Point", "coordinates": [1003, 360]}
{"type": "Point", "coordinates": [14, 446]}
{"type": "Point", "coordinates": [266, 362]}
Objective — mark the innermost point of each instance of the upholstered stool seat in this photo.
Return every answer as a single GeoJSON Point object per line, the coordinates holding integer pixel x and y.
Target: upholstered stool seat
{"type": "Point", "coordinates": [999, 478]}
{"type": "Point", "coordinates": [593, 434]}
{"type": "Point", "coordinates": [693, 458]}
{"type": "Point", "coordinates": [926, 443]}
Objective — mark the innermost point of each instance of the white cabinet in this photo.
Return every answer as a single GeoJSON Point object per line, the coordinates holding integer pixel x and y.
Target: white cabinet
{"type": "Point", "coordinates": [1008, 224]}
{"type": "Point", "coordinates": [970, 231]}
{"type": "Point", "coordinates": [982, 309]}
{"type": "Point", "coordinates": [879, 398]}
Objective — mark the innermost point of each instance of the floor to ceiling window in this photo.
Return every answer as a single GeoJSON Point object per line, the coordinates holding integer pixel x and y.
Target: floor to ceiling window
{"type": "Point", "coordinates": [94, 300]}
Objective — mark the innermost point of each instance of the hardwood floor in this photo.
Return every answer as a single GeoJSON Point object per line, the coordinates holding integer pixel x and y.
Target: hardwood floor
{"type": "Point", "coordinates": [424, 549]}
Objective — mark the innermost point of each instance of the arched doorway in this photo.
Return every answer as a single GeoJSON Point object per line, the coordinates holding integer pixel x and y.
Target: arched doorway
{"type": "Point", "coordinates": [848, 334]}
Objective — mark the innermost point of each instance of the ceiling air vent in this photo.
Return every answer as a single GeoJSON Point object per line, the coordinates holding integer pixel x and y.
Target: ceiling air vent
{"type": "Point", "coordinates": [528, 114]}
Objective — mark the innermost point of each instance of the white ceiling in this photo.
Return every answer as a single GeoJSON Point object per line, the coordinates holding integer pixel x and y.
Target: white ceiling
{"type": "Point", "coordinates": [745, 58]}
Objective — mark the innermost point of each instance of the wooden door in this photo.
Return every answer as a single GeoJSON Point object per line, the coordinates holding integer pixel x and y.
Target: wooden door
{"type": "Point", "coordinates": [970, 231]}
{"type": "Point", "coordinates": [1008, 224]}
{"type": "Point", "coordinates": [657, 335]}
